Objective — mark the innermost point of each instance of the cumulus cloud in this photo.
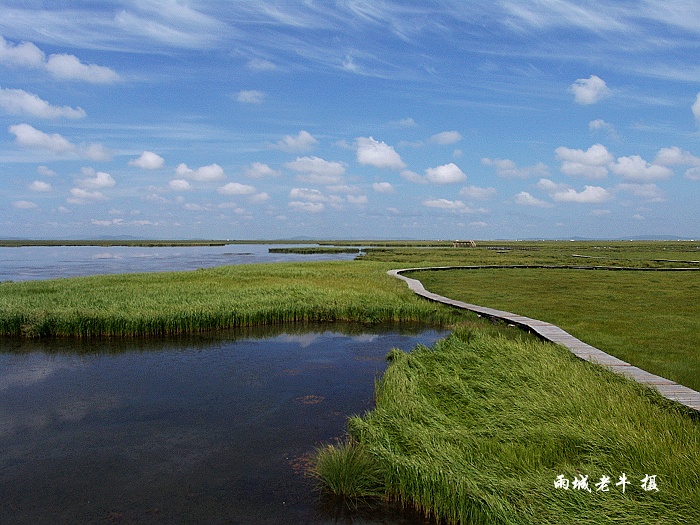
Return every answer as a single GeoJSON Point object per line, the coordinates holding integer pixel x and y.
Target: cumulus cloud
{"type": "Point", "coordinates": [406, 123]}
{"type": "Point", "coordinates": [675, 156]}
{"type": "Point", "coordinates": [250, 97]}
{"type": "Point", "coordinates": [30, 137]}
{"type": "Point", "coordinates": [45, 171]}
{"type": "Point", "coordinates": [358, 199]}
{"type": "Point", "coordinates": [209, 173]}
{"type": "Point", "coordinates": [635, 168]}
{"type": "Point", "coordinates": [24, 205]}
{"type": "Point", "coordinates": [506, 168]}
{"type": "Point", "coordinates": [589, 195]}
{"type": "Point", "coordinates": [148, 161]}
{"type": "Point", "coordinates": [18, 102]}
{"type": "Point", "coordinates": [383, 187]}
{"type": "Point", "coordinates": [96, 179]}
{"type": "Point", "coordinates": [24, 54]}
{"type": "Point", "coordinates": [316, 170]}
{"type": "Point", "coordinates": [525, 199]}
{"type": "Point", "coordinates": [693, 174]}
{"type": "Point", "coordinates": [258, 170]}
{"type": "Point", "coordinates": [236, 188]}
{"type": "Point", "coordinates": [477, 193]}
{"type": "Point", "coordinates": [446, 174]}
{"type": "Point", "coordinates": [649, 192]}
{"type": "Point", "coordinates": [378, 154]}
{"type": "Point", "coordinates": [81, 196]}
{"type": "Point", "coordinates": [310, 207]}
{"type": "Point", "coordinates": [696, 108]}
{"type": "Point", "coordinates": [601, 125]}
{"type": "Point", "coordinates": [591, 164]}
{"type": "Point", "coordinates": [304, 141]}
{"type": "Point", "coordinates": [179, 185]}
{"type": "Point", "coordinates": [446, 204]}
{"type": "Point", "coordinates": [589, 90]}
{"type": "Point", "coordinates": [446, 137]}
{"type": "Point", "coordinates": [69, 67]}
{"type": "Point", "coordinates": [310, 195]}
{"type": "Point", "coordinates": [413, 177]}
{"type": "Point", "coordinates": [40, 186]}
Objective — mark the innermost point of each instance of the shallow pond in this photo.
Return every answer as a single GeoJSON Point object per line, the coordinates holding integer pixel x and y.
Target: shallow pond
{"type": "Point", "coordinates": [215, 428]}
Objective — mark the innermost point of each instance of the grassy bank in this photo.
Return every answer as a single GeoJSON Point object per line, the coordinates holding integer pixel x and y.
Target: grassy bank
{"type": "Point", "coordinates": [477, 430]}
{"type": "Point", "coordinates": [649, 319]}
{"type": "Point", "coordinates": [218, 298]}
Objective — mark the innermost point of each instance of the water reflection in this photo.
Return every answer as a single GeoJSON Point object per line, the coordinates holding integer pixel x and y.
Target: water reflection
{"type": "Point", "coordinates": [213, 428]}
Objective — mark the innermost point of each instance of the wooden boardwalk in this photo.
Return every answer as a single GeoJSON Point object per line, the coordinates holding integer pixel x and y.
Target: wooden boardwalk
{"type": "Point", "coordinates": [667, 388]}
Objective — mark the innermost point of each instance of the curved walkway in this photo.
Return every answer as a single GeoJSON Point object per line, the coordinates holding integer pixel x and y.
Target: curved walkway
{"type": "Point", "coordinates": [667, 388]}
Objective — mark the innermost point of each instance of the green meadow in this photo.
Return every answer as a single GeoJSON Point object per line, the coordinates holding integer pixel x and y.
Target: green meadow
{"type": "Point", "coordinates": [478, 428]}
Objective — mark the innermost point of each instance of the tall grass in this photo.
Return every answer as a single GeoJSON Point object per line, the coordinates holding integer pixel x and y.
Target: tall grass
{"type": "Point", "coordinates": [218, 298]}
{"type": "Point", "coordinates": [477, 429]}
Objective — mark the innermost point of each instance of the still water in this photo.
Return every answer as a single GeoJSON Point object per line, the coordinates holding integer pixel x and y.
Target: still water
{"type": "Point", "coordinates": [213, 428]}
{"type": "Point", "coordinates": [47, 262]}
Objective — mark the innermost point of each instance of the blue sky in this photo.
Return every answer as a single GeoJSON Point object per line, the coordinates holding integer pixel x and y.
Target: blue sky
{"type": "Point", "coordinates": [351, 119]}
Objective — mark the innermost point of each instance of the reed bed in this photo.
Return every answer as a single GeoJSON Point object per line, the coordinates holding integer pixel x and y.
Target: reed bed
{"type": "Point", "coordinates": [158, 304]}
{"type": "Point", "coordinates": [478, 429]}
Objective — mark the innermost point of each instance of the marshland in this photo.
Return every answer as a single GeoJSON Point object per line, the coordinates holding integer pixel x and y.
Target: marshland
{"type": "Point", "coordinates": [478, 426]}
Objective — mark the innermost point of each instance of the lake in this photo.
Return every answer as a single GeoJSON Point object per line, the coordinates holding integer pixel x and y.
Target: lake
{"type": "Point", "coordinates": [209, 428]}
{"type": "Point", "coordinates": [47, 262]}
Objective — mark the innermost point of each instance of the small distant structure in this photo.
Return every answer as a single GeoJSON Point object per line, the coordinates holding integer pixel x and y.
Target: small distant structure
{"type": "Point", "coordinates": [463, 244]}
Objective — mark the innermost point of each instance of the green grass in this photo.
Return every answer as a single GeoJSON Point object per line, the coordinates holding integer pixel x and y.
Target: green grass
{"type": "Point", "coordinates": [218, 298]}
{"type": "Point", "coordinates": [477, 429]}
{"type": "Point", "coordinates": [647, 318]}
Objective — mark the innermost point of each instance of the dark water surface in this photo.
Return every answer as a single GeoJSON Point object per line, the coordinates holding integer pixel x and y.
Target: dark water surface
{"type": "Point", "coordinates": [28, 263]}
{"type": "Point", "coordinates": [214, 428]}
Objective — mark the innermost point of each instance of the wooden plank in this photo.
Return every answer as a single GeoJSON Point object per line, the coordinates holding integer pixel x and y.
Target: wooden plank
{"type": "Point", "coordinates": [669, 389]}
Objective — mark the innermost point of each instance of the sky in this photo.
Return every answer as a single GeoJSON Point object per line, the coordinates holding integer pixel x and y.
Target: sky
{"type": "Point", "coordinates": [353, 119]}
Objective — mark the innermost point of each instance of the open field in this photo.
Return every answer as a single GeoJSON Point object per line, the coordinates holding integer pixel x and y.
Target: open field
{"type": "Point", "coordinates": [478, 429]}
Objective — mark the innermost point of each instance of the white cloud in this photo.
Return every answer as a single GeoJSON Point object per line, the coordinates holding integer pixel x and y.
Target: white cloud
{"type": "Point", "coordinates": [304, 141]}
{"type": "Point", "coordinates": [310, 207]}
{"type": "Point", "coordinates": [236, 188]}
{"type": "Point", "coordinates": [446, 174]}
{"type": "Point", "coordinates": [525, 199]}
{"type": "Point", "coordinates": [676, 156]}
{"type": "Point", "coordinates": [406, 123]}
{"type": "Point", "coordinates": [31, 137]}
{"type": "Point", "coordinates": [696, 108]}
{"type": "Point", "coordinates": [81, 196]}
{"type": "Point", "coordinates": [508, 169]}
{"type": "Point", "coordinates": [208, 173]}
{"type": "Point", "coordinates": [179, 185]}
{"type": "Point", "coordinates": [316, 170]}
{"type": "Point", "coordinates": [24, 205]}
{"type": "Point", "coordinates": [445, 204]}
{"type": "Point", "coordinates": [693, 174]}
{"type": "Point", "coordinates": [96, 179]}
{"type": "Point", "coordinates": [306, 194]}
{"type": "Point", "coordinates": [60, 66]}
{"type": "Point", "coordinates": [69, 67]}
{"type": "Point", "coordinates": [25, 54]}
{"type": "Point", "coordinates": [383, 187]}
{"type": "Point", "coordinates": [446, 137]}
{"type": "Point", "coordinates": [591, 164]}
{"type": "Point", "coordinates": [649, 192]}
{"type": "Point", "coordinates": [477, 193]}
{"type": "Point", "coordinates": [601, 125]}
{"type": "Point", "coordinates": [413, 177]}
{"type": "Point", "coordinates": [589, 195]}
{"type": "Point", "coordinates": [40, 186]}
{"type": "Point", "coordinates": [589, 90]}
{"type": "Point", "coordinates": [45, 171]}
{"type": "Point", "coordinates": [259, 64]}
{"type": "Point", "coordinates": [18, 102]}
{"type": "Point", "coordinates": [259, 197]}
{"type": "Point", "coordinates": [478, 224]}
{"type": "Point", "coordinates": [358, 199]}
{"type": "Point", "coordinates": [148, 161]}
{"type": "Point", "coordinates": [258, 170]}
{"type": "Point", "coordinates": [250, 97]}
{"type": "Point", "coordinates": [637, 169]}
{"type": "Point", "coordinates": [378, 154]}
